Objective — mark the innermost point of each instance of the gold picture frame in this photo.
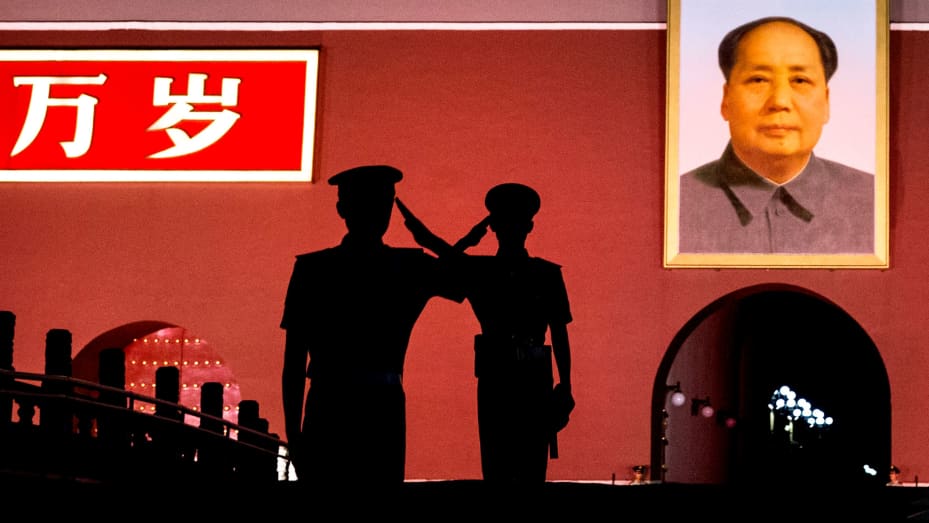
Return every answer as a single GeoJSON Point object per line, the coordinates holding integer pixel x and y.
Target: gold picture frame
{"type": "Point", "coordinates": [697, 135]}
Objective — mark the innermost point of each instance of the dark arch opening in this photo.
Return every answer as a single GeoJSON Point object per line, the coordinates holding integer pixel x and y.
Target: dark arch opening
{"type": "Point", "coordinates": [737, 351]}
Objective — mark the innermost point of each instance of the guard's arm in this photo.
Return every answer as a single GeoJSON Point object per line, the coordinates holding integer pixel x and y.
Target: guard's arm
{"type": "Point", "coordinates": [423, 236]}
{"type": "Point", "coordinates": [561, 348]}
{"type": "Point", "coordinates": [429, 240]}
{"type": "Point", "coordinates": [473, 237]}
{"type": "Point", "coordinates": [293, 384]}
{"type": "Point", "coordinates": [562, 397]}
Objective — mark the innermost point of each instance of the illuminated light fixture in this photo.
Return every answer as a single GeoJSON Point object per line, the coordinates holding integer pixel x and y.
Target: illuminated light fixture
{"type": "Point", "coordinates": [785, 402]}
{"type": "Point", "coordinates": [726, 418]}
{"type": "Point", "coordinates": [702, 407]}
{"type": "Point", "coordinates": [677, 396]}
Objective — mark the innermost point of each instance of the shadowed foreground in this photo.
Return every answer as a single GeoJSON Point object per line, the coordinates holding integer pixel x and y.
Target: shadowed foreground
{"type": "Point", "coordinates": [455, 500]}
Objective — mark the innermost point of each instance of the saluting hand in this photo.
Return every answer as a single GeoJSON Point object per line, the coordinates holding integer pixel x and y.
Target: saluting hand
{"type": "Point", "coordinates": [474, 236]}
{"type": "Point", "coordinates": [423, 236]}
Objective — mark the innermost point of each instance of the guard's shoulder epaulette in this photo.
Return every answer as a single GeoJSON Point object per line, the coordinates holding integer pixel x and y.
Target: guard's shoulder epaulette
{"type": "Point", "coordinates": [546, 263]}
{"type": "Point", "coordinates": [322, 253]}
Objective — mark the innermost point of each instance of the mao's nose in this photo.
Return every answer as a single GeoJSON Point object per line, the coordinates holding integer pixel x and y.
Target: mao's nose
{"type": "Point", "coordinates": [780, 95]}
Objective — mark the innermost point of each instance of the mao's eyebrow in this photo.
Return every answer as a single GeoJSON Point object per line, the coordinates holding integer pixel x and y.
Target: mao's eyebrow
{"type": "Point", "coordinates": [797, 68]}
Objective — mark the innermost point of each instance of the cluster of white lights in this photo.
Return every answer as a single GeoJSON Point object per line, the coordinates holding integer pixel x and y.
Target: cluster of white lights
{"type": "Point", "coordinates": [785, 401]}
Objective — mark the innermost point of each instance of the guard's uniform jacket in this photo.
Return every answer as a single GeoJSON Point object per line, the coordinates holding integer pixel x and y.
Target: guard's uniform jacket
{"type": "Point", "coordinates": [357, 307]}
{"type": "Point", "coordinates": [514, 299]}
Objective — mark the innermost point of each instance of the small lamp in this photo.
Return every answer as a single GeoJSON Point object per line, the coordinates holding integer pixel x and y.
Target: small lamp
{"type": "Point", "coordinates": [726, 418]}
{"type": "Point", "coordinates": [677, 397]}
{"type": "Point", "coordinates": [702, 406]}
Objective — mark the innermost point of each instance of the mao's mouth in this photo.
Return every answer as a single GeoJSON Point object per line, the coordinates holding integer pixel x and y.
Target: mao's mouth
{"type": "Point", "coordinates": [778, 127]}
{"type": "Point", "coordinates": [778, 130]}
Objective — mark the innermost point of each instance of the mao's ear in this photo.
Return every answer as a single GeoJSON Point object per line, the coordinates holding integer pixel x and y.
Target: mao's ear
{"type": "Point", "coordinates": [338, 208]}
{"type": "Point", "coordinates": [827, 105]}
{"type": "Point", "coordinates": [724, 105]}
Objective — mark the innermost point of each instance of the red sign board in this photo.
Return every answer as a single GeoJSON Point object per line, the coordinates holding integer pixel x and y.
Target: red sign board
{"type": "Point", "coordinates": [157, 115]}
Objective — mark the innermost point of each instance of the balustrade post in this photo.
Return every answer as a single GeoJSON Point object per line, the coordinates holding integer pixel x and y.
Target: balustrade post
{"type": "Point", "coordinates": [253, 464]}
{"type": "Point", "coordinates": [267, 469]}
{"type": "Point", "coordinates": [111, 426]}
{"type": "Point", "coordinates": [248, 418]}
{"type": "Point", "coordinates": [169, 435]}
{"type": "Point", "coordinates": [7, 328]}
{"type": "Point", "coordinates": [55, 414]}
{"type": "Point", "coordinates": [168, 388]}
{"type": "Point", "coordinates": [247, 460]}
{"type": "Point", "coordinates": [212, 455]}
{"type": "Point", "coordinates": [56, 447]}
{"type": "Point", "coordinates": [26, 413]}
{"type": "Point", "coordinates": [211, 403]}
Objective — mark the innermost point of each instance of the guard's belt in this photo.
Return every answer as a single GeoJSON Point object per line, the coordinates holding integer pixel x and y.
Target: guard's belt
{"type": "Point", "coordinates": [494, 352]}
{"type": "Point", "coordinates": [356, 378]}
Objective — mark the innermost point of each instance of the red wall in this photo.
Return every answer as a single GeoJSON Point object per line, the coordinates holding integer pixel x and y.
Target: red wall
{"type": "Point", "coordinates": [579, 115]}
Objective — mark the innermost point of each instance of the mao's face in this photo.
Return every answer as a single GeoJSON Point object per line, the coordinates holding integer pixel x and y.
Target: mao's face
{"type": "Point", "coordinates": [776, 99]}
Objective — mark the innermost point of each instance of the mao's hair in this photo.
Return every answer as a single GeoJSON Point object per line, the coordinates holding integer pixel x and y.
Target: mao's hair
{"type": "Point", "coordinates": [729, 45]}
